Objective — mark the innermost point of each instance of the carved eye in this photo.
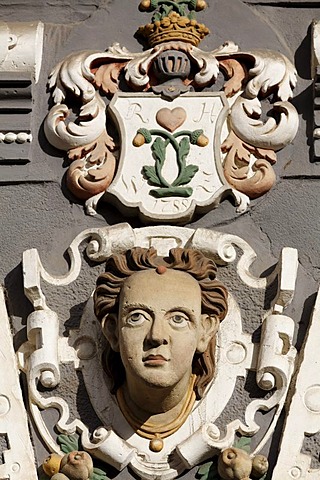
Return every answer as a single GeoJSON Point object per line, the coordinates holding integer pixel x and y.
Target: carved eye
{"type": "Point", "coordinates": [137, 318]}
{"type": "Point", "coordinates": [178, 319]}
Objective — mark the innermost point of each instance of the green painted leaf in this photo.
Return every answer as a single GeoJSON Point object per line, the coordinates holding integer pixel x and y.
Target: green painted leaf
{"type": "Point", "coordinates": [208, 471]}
{"type": "Point", "coordinates": [166, 9]}
{"type": "Point", "coordinates": [187, 175]}
{"type": "Point", "coordinates": [184, 148]}
{"type": "Point", "coordinates": [182, 9]}
{"type": "Point", "coordinates": [69, 443]}
{"type": "Point", "coordinates": [204, 469]}
{"type": "Point", "coordinates": [156, 17]}
{"type": "Point", "coordinates": [98, 474]}
{"type": "Point", "coordinates": [159, 150]}
{"type": "Point", "coordinates": [244, 443]}
{"type": "Point", "coordinates": [150, 174]}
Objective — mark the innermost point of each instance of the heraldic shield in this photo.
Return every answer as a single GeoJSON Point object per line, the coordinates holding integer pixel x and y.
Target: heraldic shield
{"type": "Point", "coordinates": [171, 158]}
{"type": "Point", "coordinates": [184, 141]}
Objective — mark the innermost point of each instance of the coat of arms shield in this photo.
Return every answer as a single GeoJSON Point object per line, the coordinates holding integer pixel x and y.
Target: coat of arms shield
{"type": "Point", "coordinates": [185, 141]}
{"type": "Point", "coordinates": [170, 159]}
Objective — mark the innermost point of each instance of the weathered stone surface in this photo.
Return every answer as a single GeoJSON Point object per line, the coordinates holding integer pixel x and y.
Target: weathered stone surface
{"type": "Point", "coordinates": [35, 213]}
{"type": "Point", "coordinates": [61, 11]}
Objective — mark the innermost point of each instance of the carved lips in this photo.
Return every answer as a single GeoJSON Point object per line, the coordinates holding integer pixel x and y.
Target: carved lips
{"type": "Point", "coordinates": [154, 360]}
{"type": "Point", "coordinates": [171, 119]}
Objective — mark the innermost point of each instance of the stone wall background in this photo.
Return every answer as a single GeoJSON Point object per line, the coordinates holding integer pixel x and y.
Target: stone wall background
{"type": "Point", "coordinates": [37, 213]}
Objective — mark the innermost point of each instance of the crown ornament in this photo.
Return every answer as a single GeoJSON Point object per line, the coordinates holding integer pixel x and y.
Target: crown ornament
{"type": "Point", "coordinates": [173, 21]}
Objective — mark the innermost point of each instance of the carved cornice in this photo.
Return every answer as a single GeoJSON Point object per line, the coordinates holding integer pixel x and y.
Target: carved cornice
{"type": "Point", "coordinates": [20, 63]}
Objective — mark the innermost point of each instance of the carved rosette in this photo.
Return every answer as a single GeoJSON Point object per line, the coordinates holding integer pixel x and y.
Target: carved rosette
{"type": "Point", "coordinates": [248, 145]}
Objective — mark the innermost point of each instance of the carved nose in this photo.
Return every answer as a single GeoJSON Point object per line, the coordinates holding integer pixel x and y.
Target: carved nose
{"type": "Point", "coordinates": [158, 332]}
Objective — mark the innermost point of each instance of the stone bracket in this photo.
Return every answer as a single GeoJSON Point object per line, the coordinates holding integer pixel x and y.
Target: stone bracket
{"type": "Point", "coordinates": [303, 415]}
{"type": "Point", "coordinates": [19, 462]}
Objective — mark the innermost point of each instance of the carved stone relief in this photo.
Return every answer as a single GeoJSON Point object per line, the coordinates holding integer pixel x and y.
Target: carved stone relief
{"type": "Point", "coordinates": [184, 145]}
{"type": "Point", "coordinates": [315, 72]}
{"type": "Point", "coordinates": [20, 63]}
{"type": "Point", "coordinates": [164, 340]}
{"type": "Point", "coordinates": [150, 452]}
{"type": "Point", "coordinates": [303, 415]}
{"type": "Point", "coordinates": [18, 458]}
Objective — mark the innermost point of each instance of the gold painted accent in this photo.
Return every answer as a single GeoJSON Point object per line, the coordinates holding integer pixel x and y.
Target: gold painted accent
{"type": "Point", "coordinates": [153, 432]}
{"type": "Point", "coordinates": [174, 27]}
{"type": "Point", "coordinates": [51, 465]}
{"type": "Point", "coordinates": [202, 141]}
{"type": "Point", "coordinates": [138, 140]}
{"type": "Point", "coordinates": [156, 444]}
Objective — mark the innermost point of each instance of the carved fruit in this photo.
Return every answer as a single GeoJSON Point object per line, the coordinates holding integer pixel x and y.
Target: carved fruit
{"type": "Point", "coordinates": [260, 466]}
{"type": "Point", "coordinates": [234, 464]}
{"type": "Point", "coordinates": [202, 141]}
{"type": "Point", "coordinates": [77, 465]}
{"type": "Point", "coordinates": [201, 5]}
{"type": "Point", "coordinates": [59, 476]}
{"type": "Point", "coordinates": [51, 465]}
{"type": "Point", "coordinates": [139, 140]}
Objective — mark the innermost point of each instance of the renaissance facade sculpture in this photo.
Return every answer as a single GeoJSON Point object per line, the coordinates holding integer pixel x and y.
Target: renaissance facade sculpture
{"type": "Point", "coordinates": [167, 340]}
{"type": "Point", "coordinates": [160, 317]}
{"type": "Point", "coordinates": [177, 324]}
{"type": "Point", "coordinates": [184, 143]}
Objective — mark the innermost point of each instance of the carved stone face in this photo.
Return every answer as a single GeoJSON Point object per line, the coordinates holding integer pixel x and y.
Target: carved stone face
{"type": "Point", "coordinates": [160, 327]}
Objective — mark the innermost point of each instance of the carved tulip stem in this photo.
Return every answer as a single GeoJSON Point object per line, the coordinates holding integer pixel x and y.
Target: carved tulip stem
{"type": "Point", "coordinates": [182, 149]}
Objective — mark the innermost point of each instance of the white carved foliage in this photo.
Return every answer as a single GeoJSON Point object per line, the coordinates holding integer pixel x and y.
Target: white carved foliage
{"type": "Point", "coordinates": [271, 70]}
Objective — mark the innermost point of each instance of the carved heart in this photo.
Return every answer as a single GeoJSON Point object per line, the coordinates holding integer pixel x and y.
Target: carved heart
{"type": "Point", "coordinates": [171, 119]}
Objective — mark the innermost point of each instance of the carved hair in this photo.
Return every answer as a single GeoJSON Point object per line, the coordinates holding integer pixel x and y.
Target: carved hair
{"type": "Point", "coordinates": [213, 301]}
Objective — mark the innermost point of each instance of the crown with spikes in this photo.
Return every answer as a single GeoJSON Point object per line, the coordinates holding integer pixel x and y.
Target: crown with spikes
{"type": "Point", "coordinates": [173, 21]}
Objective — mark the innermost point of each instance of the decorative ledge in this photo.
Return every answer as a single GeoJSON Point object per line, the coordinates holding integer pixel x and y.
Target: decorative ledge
{"type": "Point", "coordinates": [20, 63]}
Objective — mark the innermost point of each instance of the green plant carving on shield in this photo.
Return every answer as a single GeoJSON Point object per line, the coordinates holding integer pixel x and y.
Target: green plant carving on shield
{"type": "Point", "coordinates": [179, 187]}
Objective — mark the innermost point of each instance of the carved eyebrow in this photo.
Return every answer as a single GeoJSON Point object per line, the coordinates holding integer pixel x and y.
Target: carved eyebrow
{"type": "Point", "coordinates": [132, 306]}
{"type": "Point", "coordinates": [137, 305]}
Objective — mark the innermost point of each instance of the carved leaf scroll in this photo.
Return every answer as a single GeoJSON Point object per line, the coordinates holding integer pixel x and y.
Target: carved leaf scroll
{"type": "Point", "coordinates": [237, 74]}
{"type": "Point", "coordinates": [237, 167]}
{"type": "Point", "coordinates": [107, 77]}
{"type": "Point", "coordinates": [272, 70]}
{"type": "Point", "coordinates": [251, 77]}
{"type": "Point", "coordinates": [93, 167]}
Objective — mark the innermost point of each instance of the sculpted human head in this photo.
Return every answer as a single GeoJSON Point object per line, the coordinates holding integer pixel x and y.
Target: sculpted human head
{"type": "Point", "coordinates": [160, 316]}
